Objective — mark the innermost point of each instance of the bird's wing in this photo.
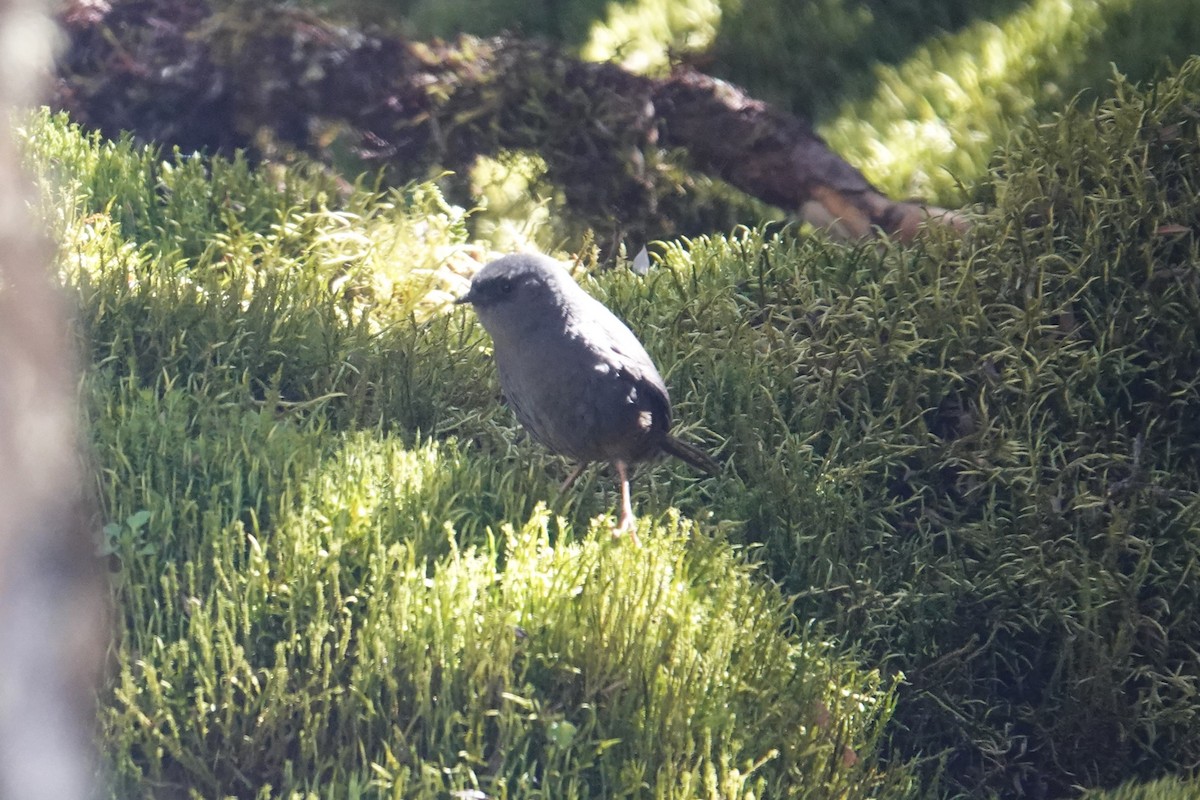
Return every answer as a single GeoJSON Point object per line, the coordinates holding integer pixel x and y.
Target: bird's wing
{"type": "Point", "coordinates": [632, 363]}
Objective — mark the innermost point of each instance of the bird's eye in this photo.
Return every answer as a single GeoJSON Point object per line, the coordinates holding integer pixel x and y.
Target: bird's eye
{"type": "Point", "coordinates": [506, 287]}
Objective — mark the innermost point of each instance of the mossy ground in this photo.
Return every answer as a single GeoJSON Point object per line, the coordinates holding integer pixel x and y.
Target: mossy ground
{"type": "Point", "coordinates": [333, 567]}
{"type": "Point", "coordinates": [958, 520]}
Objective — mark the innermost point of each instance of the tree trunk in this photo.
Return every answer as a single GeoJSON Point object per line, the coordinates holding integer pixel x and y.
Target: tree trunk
{"type": "Point", "coordinates": [52, 596]}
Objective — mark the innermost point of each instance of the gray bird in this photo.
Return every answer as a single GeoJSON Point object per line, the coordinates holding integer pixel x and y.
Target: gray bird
{"type": "Point", "coordinates": [576, 376]}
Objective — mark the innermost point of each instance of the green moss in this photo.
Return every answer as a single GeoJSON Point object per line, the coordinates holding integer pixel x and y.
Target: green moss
{"type": "Point", "coordinates": [456, 676]}
{"type": "Point", "coordinates": [978, 458]}
{"type": "Point", "coordinates": [331, 567]}
{"type": "Point", "coordinates": [930, 123]}
{"type": "Point", "coordinates": [1164, 789]}
{"type": "Point", "coordinates": [646, 35]}
{"type": "Point", "coordinates": [973, 462]}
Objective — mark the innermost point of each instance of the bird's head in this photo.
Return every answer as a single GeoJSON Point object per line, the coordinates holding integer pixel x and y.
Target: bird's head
{"type": "Point", "coordinates": [516, 292]}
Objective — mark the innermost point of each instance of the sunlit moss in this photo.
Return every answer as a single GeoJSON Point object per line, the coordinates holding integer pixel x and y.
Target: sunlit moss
{"type": "Point", "coordinates": [332, 560]}
{"type": "Point", "coordinates": [932, 122]}
{"type": "Point", "coordinates": [515, 205]}
{"type": "Point", "coordinates": [643, 35]}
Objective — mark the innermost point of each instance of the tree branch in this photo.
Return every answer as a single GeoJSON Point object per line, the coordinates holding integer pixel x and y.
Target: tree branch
{"type": "Point", "coordinates": [175, 72]}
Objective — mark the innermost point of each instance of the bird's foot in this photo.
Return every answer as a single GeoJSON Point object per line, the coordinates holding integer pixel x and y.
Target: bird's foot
{"type": "Point", "coordinates": [627, 525]}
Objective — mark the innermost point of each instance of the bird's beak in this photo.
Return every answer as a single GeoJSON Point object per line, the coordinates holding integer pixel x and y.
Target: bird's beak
{"type": "Point", "coordinates": [466, 298]}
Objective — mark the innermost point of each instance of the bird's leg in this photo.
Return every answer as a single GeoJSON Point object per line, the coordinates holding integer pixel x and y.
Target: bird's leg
{"type": "Point", "coordinates": [625, 522]}
{"type": "Point", "coordinates": [574, 476]}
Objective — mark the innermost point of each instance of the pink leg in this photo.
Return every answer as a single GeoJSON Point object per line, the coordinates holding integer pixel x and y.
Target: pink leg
{"type": "Point", "coordinates": [625, 522]}
{"type": "Point", "coordinates": [574, 476]}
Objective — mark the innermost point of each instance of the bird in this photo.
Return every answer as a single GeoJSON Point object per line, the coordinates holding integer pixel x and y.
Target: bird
{"type": "Point", "coordinates": [576, 376]}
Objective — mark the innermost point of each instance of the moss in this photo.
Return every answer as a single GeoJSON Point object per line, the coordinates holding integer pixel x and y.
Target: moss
{"type": "Point", "coordinates": [972, 463]}
{"type": "Point", "coordinates": [978, 458]}
{"type": "Point", "coordinates": [331, 569]}
{"type": "Point", "coordinates": [1164, 789]}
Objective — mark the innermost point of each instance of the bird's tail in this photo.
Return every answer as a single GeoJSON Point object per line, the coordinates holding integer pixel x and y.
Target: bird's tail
{"type": "Point", "coordinates": [691, 454]}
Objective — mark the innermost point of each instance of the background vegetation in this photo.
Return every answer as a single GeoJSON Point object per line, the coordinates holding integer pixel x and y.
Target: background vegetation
{"type": "Point", "coordinates": [953, 552]}
{"type": "Point", "coordinates": [333, 566]}
{"type": "Point", "coordinates": [916, 94]}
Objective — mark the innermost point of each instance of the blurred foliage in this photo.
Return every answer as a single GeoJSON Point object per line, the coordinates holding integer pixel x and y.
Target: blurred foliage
{"type": "Point", "coordinates": [917, 94]}
{"type": "Point", "coordinates": [566, 21]}
{"type": "Point", "coordinates": [647, 34]}
{"type": "Point", "coordinates": [930, 124]}
{"type": "Point", "coordinates": [810, 56]}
